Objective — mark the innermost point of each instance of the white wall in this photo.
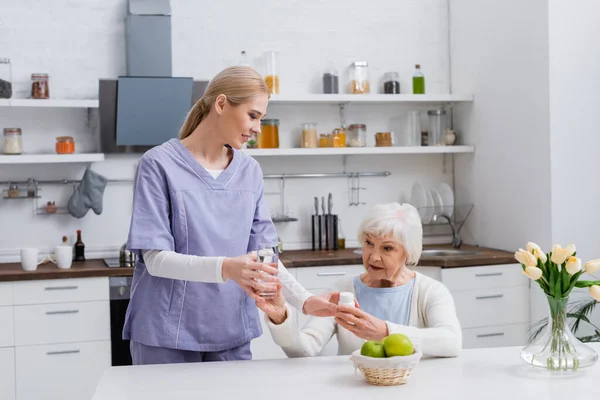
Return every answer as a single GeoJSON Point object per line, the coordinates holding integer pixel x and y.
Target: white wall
{"type": "Point", "coordinates": [79, 42]}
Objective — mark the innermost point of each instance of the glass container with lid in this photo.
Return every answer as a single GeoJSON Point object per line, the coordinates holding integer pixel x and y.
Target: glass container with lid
{"type": "Point", "coordinates": [357, 135]}
{"type": "Point", "coordinates": [309, 135]}
{"type": "Point", "coordinates": [40, 86]}
{"type": "Point", "coordinates": [5, 78]}
{"type": "Point", "coordinates": [359, 77]}
{"type": "Point", "coordinates": [268, 138]}
{"type": "Point", "coordinates": [272, 75]}
{"type": "Point", "coordinates": [338, 137]}
{"type": "Point", "coordinates": [13, 142]}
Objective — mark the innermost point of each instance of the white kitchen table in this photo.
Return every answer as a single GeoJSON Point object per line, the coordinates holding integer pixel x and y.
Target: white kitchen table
{"type": "Point", "coordinates": [492, 373]}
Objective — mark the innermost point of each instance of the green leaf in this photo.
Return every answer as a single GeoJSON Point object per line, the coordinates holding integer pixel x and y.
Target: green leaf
{"type": "Point", "coordinates": [566, 281]}
{"type": "Point", "coordinates": [557, 291]}
{"type": "Point", "coordinates": [585, 284]}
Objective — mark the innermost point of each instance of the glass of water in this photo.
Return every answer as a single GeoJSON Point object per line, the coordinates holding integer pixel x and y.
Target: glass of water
{"type": "Point", "coordinates": [267, 254]}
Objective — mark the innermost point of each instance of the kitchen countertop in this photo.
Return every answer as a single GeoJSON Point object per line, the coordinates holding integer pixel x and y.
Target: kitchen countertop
{"type": "Point", "coordinates": [290, 258]}
{"type": "Point", "coordinates": [490, 373]}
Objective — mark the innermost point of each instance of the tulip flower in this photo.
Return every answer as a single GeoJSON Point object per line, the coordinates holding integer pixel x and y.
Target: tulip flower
{"type": "Point", "coordinates": [526, 258]}
{"type": "Point", "coordinates": [560, 255]}
{"type": "Point", "coordinates": [573, 265]}
{"type": "Point", "coordinates": [593, 266]}
{"type": "Point", "coordinates": [533, 272]}
{"type": "Point", "coordinates": [595, 292]}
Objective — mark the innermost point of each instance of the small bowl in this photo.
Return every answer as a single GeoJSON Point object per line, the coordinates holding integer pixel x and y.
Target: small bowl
{"type": "Point", "coordinates": [391, 371]}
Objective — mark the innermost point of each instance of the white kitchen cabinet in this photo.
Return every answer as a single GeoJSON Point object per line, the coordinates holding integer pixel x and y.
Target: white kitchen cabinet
{"type": "Point", "coordinates": [6, 293]}
{"type": "Point", "coordinates": [7, 373]}
{"type": "Point", "coordinates": [495, 336]}
{"type": "Point", "coordinates": [7, 332]}
{"type": "Point", "coordinates": [61, 371]}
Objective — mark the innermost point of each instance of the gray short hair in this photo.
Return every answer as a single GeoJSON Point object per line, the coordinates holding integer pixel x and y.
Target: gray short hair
{"type": "Point", "coordinates": [400, 221]}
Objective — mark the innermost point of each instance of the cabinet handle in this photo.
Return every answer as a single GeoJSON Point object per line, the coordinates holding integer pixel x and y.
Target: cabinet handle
{"type": "Point", "coordinates": [490, 334]}
{"type": "Point", "coordinates": [330, 273]}
{"type": "Point", "coordinates": [55, 353]}
{"type": "Point", "coordinates": [489, 274]}
{"type": "Point", "coordinates": [494, 296]}
{"type": "Point", "coordinates": [62, 312]}
{"type": "Point", "coordinates": [61, 288]}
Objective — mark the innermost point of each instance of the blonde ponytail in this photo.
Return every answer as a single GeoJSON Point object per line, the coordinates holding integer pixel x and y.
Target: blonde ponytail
{"type": "Point", "coordinates": [239, 84]}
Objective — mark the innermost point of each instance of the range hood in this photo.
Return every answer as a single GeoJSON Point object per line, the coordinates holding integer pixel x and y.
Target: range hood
{"type": "Point", "coordinates": [147, 106]}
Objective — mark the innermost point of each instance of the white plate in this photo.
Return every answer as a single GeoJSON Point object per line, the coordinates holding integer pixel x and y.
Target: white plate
{"type": "Point", "coordinates": [438, 204]}
{"type": "Point", "coordinates": [447, 196]}
{"type": "Point", "coordinates": [418, 198]}
{"type": "Point", "coordinates": [430, 209]}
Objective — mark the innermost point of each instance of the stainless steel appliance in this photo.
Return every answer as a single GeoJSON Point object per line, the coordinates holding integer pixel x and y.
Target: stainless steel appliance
{"type": "Point", "coordinates": [119, 294]}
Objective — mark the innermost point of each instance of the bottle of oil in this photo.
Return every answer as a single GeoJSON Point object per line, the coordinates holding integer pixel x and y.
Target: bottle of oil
{"type": "Point", "coordinates": [79, 248]}
{"type": "Point", "coordinates": [418, 81]}
{"type": "Point", "coordinates": [341, 242]}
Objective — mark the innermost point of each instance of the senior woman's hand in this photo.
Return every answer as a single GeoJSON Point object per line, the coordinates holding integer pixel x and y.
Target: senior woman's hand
{"type": "Point", "coordinates": [274, 306]}
{"type": "Point", "coordinates": [362, 324]}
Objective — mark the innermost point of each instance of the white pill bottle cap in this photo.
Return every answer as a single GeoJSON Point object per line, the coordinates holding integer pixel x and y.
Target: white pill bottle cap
{"type": "Point", "coordinates": [347, 298]}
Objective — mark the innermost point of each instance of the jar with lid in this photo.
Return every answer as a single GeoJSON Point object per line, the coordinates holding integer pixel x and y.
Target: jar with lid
{"type": "Point", "coordinates": [13, 143]}
{"type": "Point", "coordinates": [268, 138]}
{"type": "Point", "coordinates": [331, 82]}
{"type": "Point", "coordinates": [13, 191]}
{"type": "Point", "coordinates": [40, 86]}
{"type": "Point", "coordinates": [65, 145]}
{"type": "Point", "coordinates": [309, 136]}
{"type": "Point", "coordinates": [383, 139]}
{"type": "Point", "coordinates": [272, 75]}
{"type": "Point", "coordinates": [357, 135]}
{"type": "Point", "coordinates": [5, 78]}
{"type": "Point", "coordinates": [437, 127]}
{"type": "Point", "coordinates": [338, 137]}
{"type": "Point", "coordinates": [391, 83]}
{"type": "Point", "coordinates": [325, 140]}
{"type": "Point", "coordinates": [51, 208]}
{"type": "Point", "coordinates": [359, 77]}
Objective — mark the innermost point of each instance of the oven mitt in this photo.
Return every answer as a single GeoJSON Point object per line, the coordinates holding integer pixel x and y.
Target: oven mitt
{"type": "Point", "coordinates": [88, 194]}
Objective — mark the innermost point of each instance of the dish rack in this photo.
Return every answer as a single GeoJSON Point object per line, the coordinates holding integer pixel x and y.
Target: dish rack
{"type": "Point", "coordinates": [458, 214]}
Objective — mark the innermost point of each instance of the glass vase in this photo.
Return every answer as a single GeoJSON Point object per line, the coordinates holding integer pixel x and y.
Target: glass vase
{"type": "Point", "coordinates": [556, 349]}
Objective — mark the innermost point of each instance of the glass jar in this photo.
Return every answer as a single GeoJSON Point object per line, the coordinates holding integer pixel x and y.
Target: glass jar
{"type": "Point", "coordinates": [40, 86]}
{"type": "Point", "coordinates": [5, 78]}
{"type": "Point", "coordinates": [65, 145]}
{"type": "Point", "coordinates": [359, 77]}
{"type": "Point", "coordinates": [272, 75]}
{"type": "Point", "coordinates": [13, 142]}
{"type": "Point", "coordinates": [338, 138]}
{"type": "Point", "coordinates": [357, 135]}
{"type": "Point", "coordinates": [383, 139]}
{"type": "Point", "coordinates": [437, 127]}
{"type": "Point", "coordinates": [325, 140]}
{"type": "Point", "coordinates": [331, 82]}
{"type": "Point", "coordinates": [268, 137]}
{"type": "Point", "coordinates": [13, 191]}
{"type": "Point", "coordinates": [391, 83]}
{"type": "Point", "coordinates": [309, 136]}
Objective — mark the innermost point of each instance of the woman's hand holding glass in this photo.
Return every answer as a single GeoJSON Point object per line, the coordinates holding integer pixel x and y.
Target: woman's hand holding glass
{"type": "Point", "coordinates": [252, 276]}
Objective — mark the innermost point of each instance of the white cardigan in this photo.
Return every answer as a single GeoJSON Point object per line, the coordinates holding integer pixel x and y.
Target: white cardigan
{"type": "Point", "coordinates": [433, 325]}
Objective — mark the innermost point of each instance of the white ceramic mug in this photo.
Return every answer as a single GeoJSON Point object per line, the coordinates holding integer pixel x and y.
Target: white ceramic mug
{"type": "Point", "coordinates": [63, 256]}
{"type": "Point", "coordinates": [30, 259]}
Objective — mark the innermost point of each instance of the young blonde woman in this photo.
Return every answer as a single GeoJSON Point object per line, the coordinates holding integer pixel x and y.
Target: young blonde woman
{"type": "Point", "coordinates": [392, 297]}
{"type": "Point", "coordinates": [198, 213]}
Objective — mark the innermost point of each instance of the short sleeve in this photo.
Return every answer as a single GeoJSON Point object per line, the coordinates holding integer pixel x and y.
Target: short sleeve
{"type": "Point", "coordinates": [150, 227]}
{"type": "Point", "coordinates": [263, 230]}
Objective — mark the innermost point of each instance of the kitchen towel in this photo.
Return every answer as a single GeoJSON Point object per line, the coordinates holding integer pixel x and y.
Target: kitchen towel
{"type": "Point", "coordinates": [88, 194]}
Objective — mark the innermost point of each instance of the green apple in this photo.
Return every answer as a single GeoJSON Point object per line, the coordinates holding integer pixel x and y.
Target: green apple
{"type": "Point", "coordinates": [372, 348]}
{"type": "Point", "coordinates": [397, 344]}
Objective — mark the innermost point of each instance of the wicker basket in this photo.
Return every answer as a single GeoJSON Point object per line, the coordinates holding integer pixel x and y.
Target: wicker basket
{"type": "Point", "coordinates": [390, 371]}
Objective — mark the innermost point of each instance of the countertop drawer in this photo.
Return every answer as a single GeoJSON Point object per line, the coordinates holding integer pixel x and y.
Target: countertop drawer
{"type": "Point", "coordinates": [325, 277]}
{"type": "Point", "coordinates": [6, 293]}
{"type": "Point", "coordinates": [60, 291]}
{"type": "Point", "coordinates": [62, 323]}
{"type": "Point", "coordinates": [489, 307]}
{"type": "Point", "coordinates": [6, 327]}
{"type": "Point", "coordinates": [67, 371]}
{"type": "Point", "coordinates": [492, 276]}
{"type": "Point", "coordinates": [7, 373]}
{"type": "Point", "coordinates": [495, 336]}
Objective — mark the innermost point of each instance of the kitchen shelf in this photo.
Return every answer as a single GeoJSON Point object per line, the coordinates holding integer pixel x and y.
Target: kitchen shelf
{"type": "Point", "coordinates": [370, 98]}
{"type": "Point", "coordinates": [51, 158]}
{"type": "Point", "coordinates": [60, 103]}
{"type": "Point", "coordinates": [341, 151]}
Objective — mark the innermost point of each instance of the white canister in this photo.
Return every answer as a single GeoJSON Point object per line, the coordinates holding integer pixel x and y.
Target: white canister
{"type": "Point", "coordinates": [13, 143]}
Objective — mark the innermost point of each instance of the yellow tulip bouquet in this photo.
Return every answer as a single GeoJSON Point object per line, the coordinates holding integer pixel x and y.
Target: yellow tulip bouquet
{"type": "Point", "coordinates": [557, 273]}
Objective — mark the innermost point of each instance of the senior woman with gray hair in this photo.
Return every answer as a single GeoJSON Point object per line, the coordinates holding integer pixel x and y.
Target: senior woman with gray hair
{"type": "Point", "coordinates": [392, 297]}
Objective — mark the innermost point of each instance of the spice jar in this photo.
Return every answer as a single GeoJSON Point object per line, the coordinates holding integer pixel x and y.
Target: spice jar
{"type": "Point", "coordinates": [40, 86]}
{"type": "Point", "coordinates": [272, 77]}
{"type": "Point", "coordinates": [325, 140]}
{"type": "Point", "coordinates": [5, 78]}
{"type": "Point", "coordinates": [383, 139]}
{"type": "Point", "coordinates": [359, 77]}
{"type": "Point", "coordinates": [51, 207]}
{"type": "Point", "coordinates": [309, 136]}
{"type": "Point", "coordinates": [65, 145]}
{"type": "Point", "coordinates": [391, 83]}
{"type": "Point", "coordinates": [13, 143]}
{"type": "Point", "coordinates": [338, 138]}
{"type": "Point", "coordinates": [357, 135]}
{"type": "Point", "coordinates": [13, 191]}
{"type": "Point", "coordinates": [269, 134]}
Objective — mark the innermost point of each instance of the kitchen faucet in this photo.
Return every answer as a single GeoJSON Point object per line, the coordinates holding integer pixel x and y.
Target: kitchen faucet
{"type": "Point", "coordinates": [456, 241]}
